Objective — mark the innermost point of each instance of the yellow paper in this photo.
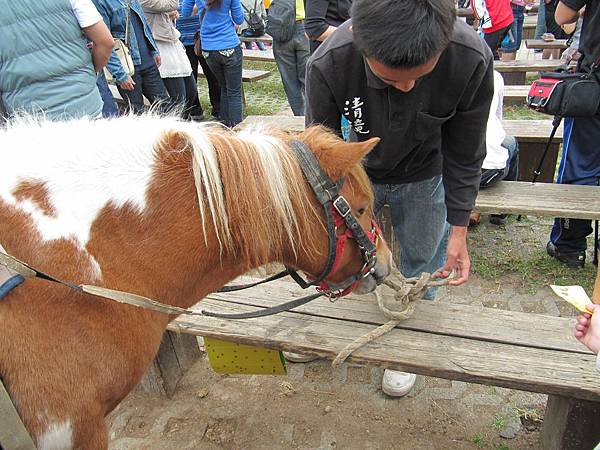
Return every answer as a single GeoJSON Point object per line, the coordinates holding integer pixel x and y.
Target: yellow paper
{"type": "Point", "coordinates": [575, 295]}
{"type": "Point", "coordinates": [230, 357]}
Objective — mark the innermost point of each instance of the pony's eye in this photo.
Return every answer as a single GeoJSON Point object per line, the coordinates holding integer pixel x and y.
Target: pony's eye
{"type": "Point", "coordinates": [361, 211]}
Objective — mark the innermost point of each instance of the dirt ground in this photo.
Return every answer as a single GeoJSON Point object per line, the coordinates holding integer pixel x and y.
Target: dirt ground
{"type": "Point", "coordinates": [317, 407]}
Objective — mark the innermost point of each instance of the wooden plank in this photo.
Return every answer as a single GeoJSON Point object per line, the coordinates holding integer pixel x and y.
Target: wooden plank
{"type": "Point", "coordinates": [570, 424]}
{"type": "Point", "coordinates": [541, 199]}
{"type": "Point", "coordinates": [259, 55]}
{"type": "Point", "coordinates": [515, 94]}
{"type": "Point", "coordinates": [526, 65]}
{"type": "Point", "coordinates": [541, 44]}
{"type": "Point", "coordinates": [265, 38]}
{"type": "Point", "coordinates": [523, 130]}
{"type": "Point", "coordinates": [491, 325]}
{"type": "Point", "coordinates": [248, 75]}
{"type": "Point", "coordinates": [538, 370]}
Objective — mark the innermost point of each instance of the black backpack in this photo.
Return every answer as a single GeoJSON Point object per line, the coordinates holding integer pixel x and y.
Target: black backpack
{"type": "Point", "coordinates": [256, 24]}
{"type": "Point", "coordinates": [281, 19]}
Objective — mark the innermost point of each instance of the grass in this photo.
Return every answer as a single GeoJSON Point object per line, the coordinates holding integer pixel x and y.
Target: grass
{"type": "Point", "coordinates": [518, 250]}
{"type": "Point", "coordinates": [480, 441]}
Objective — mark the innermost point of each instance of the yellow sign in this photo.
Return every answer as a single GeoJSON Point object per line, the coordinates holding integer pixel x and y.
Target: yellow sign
{"type": "Point", "coordinates": [575, 295]}
{"type": "Point", "coordinates": [230, 357]}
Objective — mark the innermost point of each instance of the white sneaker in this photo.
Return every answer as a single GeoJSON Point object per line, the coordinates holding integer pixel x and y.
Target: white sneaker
{"type": "Point", "coordinates": [299, 357]}
{"type": "Point", "coordinates": [397, 384]}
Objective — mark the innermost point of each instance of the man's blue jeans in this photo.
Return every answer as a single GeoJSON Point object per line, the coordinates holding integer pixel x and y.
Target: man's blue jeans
{"type": "Point", "coordinates": [291, 57]}
{"type": "Point", "coordinates": [418, 213]}
{"type": "Point", "coordinates": [109, 107]}
{"type": "Point", "coordinates": [227, 67]}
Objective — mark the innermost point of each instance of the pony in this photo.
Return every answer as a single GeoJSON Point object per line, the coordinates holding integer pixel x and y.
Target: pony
{"type": "Point", "coordinates": [154, 206]}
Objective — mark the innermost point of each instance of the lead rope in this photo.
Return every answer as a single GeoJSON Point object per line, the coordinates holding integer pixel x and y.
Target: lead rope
{"type": "Point", "coordinates": [408, 292]}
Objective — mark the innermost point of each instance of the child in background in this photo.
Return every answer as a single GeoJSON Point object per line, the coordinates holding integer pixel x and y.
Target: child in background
{"type": "Point", "coordinates": [587, 330]}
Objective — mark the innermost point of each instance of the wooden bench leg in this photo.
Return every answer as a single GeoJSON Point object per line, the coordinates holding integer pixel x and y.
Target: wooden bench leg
{"type": "Point", "coordinates": [570, 424]}
{"type": "Point", "coordinates": [514, 78]}
{"type": "Point", "coordinates": [177, 353]}
{"type": "Point", "coordinates": [530, 154]}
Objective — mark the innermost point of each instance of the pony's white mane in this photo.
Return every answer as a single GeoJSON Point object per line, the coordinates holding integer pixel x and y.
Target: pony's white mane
{"type": "Point", "coordinates": [88, 164]}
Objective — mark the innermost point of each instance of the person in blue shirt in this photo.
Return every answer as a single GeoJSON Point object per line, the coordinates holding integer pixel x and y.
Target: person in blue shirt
{"type": "Point", "coordinates": [127, 15]}
{"type": "Point", "coordinates": [188, 27]}
{"type": "Point", "coordinates": [222, 51]}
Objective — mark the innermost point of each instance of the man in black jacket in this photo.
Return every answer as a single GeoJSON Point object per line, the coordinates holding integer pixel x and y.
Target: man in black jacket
{"type": "Point", "coordinates": [408, 72]}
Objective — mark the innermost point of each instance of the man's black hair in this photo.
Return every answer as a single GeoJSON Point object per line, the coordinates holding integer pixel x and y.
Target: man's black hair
{"type": "Point", "coordinates": [402, 33]}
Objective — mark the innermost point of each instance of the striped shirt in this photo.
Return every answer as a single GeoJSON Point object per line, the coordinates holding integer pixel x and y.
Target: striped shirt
{"type": "Point", "coordinates": [187, 26]}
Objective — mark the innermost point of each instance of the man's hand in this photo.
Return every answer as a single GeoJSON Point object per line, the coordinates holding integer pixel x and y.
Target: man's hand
{"type": "Point", "coordinates": [173, 15]}
{"type": "Point", "coordinates": [158, 60]}
{"type": "Point", "coordinates": [128, 85]}
{"type": "Point", "coordinates": [457, 256]}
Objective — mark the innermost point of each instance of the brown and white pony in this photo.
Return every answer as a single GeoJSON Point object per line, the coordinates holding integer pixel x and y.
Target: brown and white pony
{"type": "Point", "coordinates": [119, 204]}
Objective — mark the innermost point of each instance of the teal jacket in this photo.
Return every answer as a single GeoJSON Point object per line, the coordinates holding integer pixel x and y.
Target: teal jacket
{"type": "Point", "coordinates": [45, 64]}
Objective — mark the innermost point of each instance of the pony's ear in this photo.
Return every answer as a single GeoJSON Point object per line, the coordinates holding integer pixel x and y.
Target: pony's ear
{"type": "Point", "coordinates": [348, 154]}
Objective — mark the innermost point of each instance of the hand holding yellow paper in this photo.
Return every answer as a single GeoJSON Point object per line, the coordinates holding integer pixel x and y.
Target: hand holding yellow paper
{"type": "Point", "coordinates": [575, 295]}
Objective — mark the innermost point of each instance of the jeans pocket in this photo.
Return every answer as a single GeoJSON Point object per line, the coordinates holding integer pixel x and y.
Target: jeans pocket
{"type": "Point", "coordinates": [227, 52]}
{"type": "Point", "coordinates": [205, 54]}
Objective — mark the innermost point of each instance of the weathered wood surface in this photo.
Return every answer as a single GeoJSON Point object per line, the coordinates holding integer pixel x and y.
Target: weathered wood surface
{"type": "Point", "coordinates": [259, 55]}
{"type": "Point", "coordinates": [526, 65]}
{"type": "Point", "coordinates": [570, 424]}
{"type": "Point", "coordinates": [500, 348]}
{"type": "Point", "coordinates": [541, 199]}
{"type": "Point", "coordinates": [264, 38]}
{"type": "Point", "coordinates": [515, 94]}
{"type": "Point", "coordinates": [248, 75]}
{"type": "Point", "coordinates": [523, 130]}
{"type": "Point", "coordinates": [540, 43]}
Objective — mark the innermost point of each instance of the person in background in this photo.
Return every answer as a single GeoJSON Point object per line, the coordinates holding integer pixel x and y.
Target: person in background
{"type": "Point", "coordinates": [587, 330]}
{"type": "Point", "coordinates": [496, 19]}
{"type": "Point", "coordinates": [51, 68]}
{"type": "Point", "coordinates": [580, 160]}
{"type": "Point", "coordinates": [512, 43]}
{"type": "Point", "coordinates": [222, 51]}
{"type": "Point", "coordinates": [127, 15]}
{"type": "Point", "coordinates": [188, 27]}
{"type": "Point", "coordinates": [502, 152]}
{"type": "Point", "coordinates": [175, 69]}
{"type": "Point", "coordinates": [553, 30]}
{"type": "Point", "coordinates": [290, 57]}
{"type": "Point", "coordinates": [245, 30]}
{"type": "Point", "coordinates": [323, 17]}
{"type": "Point", "coordinates": [386, 70]}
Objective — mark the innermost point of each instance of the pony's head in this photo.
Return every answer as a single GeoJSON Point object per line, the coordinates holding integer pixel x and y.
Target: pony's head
{"type": "Point", "coordinates": [341, 162]}
{"type": "Point", "coordinates": [256, 205]}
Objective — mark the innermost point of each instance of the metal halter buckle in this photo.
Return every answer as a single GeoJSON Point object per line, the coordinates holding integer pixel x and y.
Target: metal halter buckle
{"type": "Point", "coordinates": [342, 206]}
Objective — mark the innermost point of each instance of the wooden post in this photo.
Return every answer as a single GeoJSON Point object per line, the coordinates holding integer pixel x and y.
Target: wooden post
{"type": "Point", "coordinates": [596, 293]}
{"type": "Point", "coordinates": [570, 424]}
{"type": "Point", "coordinates": [177, 353]}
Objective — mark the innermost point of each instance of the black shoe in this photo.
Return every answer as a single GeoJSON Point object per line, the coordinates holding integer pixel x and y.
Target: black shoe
{"type": "Point", "coordinates": [573, 259]}
{"type": "Point", "coordinates": [498, 219]}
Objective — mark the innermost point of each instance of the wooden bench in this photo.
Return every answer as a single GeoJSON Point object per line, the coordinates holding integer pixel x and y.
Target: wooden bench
{"type": "Point", "coordinates": [515, 72]}
{"type": "Point", "coordinates": [546, 45]}
{"type": "Point", "coordinates": [265, 38]}
{"type": "Point", "coordinates": [259, 55]}
{"type": "Point", "coordinates": [530, 134]}
{"type": "Point", "coordinates": [515, 94]}
{"type": "Point", "coordinates": [442, 339]}
{"type": "Point", "coordinates": [248, 75]}
{"type": "Point", "coordinates": [529, 24]}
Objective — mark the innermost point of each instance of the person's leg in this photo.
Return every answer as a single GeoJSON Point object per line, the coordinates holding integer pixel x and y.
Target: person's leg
{"type": "Point", "coordinates": [154, 89]}
{"type": "Point", "coordinates": [418, 214]}
{"type": "Point", "coordinates": [248, 45]}
{"type": "Point", "coordinates": [134, 98]}
{"type": "Point", "coordinates": [214, 87]}
{"type": "Point", "coordinates": [580, 164]}
{"type": "Point", "coordinates": [540, 26]}
{"type": "Point", "coordinates": [302, 55]}
{"type": "Point", "coordinates": [285, 58]}
{"type": "Point", "coordinates": [109, 107]}
{"type": "Point", "coordinates": [509, 173]}
{"type": "Point", "coordinates": [189, 51]}
{"type": "Point", "coordinates": [493, 40]}
{"type": "Point", "coordinates": [233, 85]}
{"type": "Point", "coordinates": [193, 108]}
{"type": "Point", "coordinates": [509, 51]}
{"type": "Point", "coordinates": [260, 45]}
{"type": "Point", "coordinates": [176, 89]}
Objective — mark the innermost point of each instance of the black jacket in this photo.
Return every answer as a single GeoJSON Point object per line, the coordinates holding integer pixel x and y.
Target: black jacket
{"type": "Point", "coordinates": [438, 127]}
{"type": "Point", "coordinates": [320, 14]}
